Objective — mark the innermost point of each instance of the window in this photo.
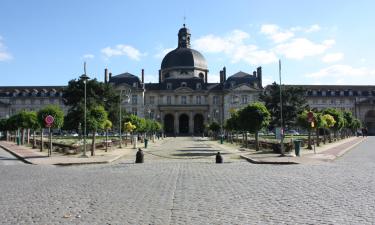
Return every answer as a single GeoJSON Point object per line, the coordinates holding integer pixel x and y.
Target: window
{"type": "Point", "coordinates": [199, 86]}
{"type": "Point", "coordinates": [183, 84]}
{"type": "Point", "coordinates": [235, 99]}
{"type": "Point", "coordinates": [198, 100]}
{"type": "Point", "coordinates": [135, 84]}
{"type": "Point", "coordinates": [216, 100]}
{"type": "Point", "coordinates": [134, 111]}
{"type": "Point", "coordinates": [232, 84]}
{"type": "Point", "coordinates": [152, 114]}
{"type": "Point", "coordinates": [332, 102]}
{"type": "Point", "coordinates": [201, 75]}
{"type": "Point", "coordinates": [183, 100]}
{"type": "Point", "coordinates": [169, 86]}
{"type": "Point", "coordinates": [324, 101]}
{"type": "Point", "coordinates": [315, 101]}
{"type": "Point", "coordinates": [244, 99]}
{"type": "Point", "coordinates": [134, 99]}
{"type": "Point", "coordinates": [342, 101]}
{"type": "Point", "coordinates": [152, 100]}
{"type": "Point", "coordinates": [169, 100]}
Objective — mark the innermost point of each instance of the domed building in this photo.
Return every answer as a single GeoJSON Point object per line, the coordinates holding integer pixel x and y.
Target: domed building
{"type": "Point", "coordinates": [183, 100]}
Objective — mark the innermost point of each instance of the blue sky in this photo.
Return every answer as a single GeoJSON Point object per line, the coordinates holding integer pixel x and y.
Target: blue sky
{"type": "Point", "coordinates": [318, 42]}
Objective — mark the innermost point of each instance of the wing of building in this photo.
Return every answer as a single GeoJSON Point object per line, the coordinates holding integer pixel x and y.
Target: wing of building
{"type": "Point", "coordinates": [183, 100]}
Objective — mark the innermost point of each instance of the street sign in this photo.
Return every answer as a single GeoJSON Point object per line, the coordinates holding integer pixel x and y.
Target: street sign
{"type": "Point", "coordinates": [49, 120]}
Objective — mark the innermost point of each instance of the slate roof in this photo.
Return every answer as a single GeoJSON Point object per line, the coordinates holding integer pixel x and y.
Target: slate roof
{"type": "Point", "coordinates": [127, 78]}
{"type": "Point", "coordinates": [183, 58]}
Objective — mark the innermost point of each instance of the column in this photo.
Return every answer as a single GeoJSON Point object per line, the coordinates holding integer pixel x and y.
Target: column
{"type": "Point", "coordinates": [191, 123]}
{"type": "Point", "coordinates": [176, 130]}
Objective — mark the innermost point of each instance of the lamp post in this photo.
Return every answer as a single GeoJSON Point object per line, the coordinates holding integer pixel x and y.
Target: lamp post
{"type": "Point", "coordinates": [126, 94]}
{"type": "Point", "coordinates": [281, 116]}
{"type": "Point", "coordinates": [84, 78]}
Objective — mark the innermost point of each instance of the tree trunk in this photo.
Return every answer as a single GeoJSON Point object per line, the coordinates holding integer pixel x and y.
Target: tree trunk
{"type": "Point", "coordinates": [246, 139]}
{"type": "Point", "coordinates": [41, 139]}
{"type": "Point", "coordinates": [22, 136]}
{"type": "Point", "coordinates": [34, 140]}
{"type": "Point", "coordinates": [28, 136]}
{"type": "Point", "coordinates": [106, 140]}
{"type": "Point", "coordinates": [256, 141]}
{"type": "Point", "coordinates": [317, 137]}
{"type": "Point", "coordinates": [93, 143]}
{"type": "Point", "coordinates": [7, 134]}
{"type": "Point", "coordinates": [309, 139]}
{"type": "Point", "coordinates": [324, 136]}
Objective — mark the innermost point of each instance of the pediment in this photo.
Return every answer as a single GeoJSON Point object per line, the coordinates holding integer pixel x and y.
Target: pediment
{"type": "Point", "coordinates": [244, 87]}
{"type": "Point", "coordinates": [184, 89]}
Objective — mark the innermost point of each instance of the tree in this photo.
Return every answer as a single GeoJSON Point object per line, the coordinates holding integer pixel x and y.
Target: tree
{"type": "Point", "coordinates": [58, 115]}
{"type": "Point", "coordinates": [107, 126]}
{"type": "Point", "coordinates": [329, 123]}
{"type": "Point", "coordinates": [98, 93]}
{"type": "Point", "coordinates": [231, 124]}
{"type": "Point", "coordinates": [129, 127]}
{"type": "Point", "coordinates": [253, 118]}
{"type": "Point", "coordinates": [294, 102]}
{"type": "Point", "coordinates": [3, 127]}
{"type": "Point", "coordinates": [214, 127]}
{"type": "Point", "coordinates": [338, 117]}
{"type": "Point", "coordinates": [96, 119]}
{"type": "Point", "coordinates": [30, 122]}
{"type": "Point", "coordinates": [302, 121]}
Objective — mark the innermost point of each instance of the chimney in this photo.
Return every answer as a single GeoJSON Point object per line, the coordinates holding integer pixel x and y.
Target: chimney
{"type": "Point", "coordinates": [110, 76]}
{"type": "Point", "coordinates": [105, 75]}
{"type": "Point", "coordinates": [205, 77]}
{"type": "Point", "coordinates": [254, 74]}
{"type": "Point", "coordinates": [224, 74]}
{"type": "Point", "coordinates": [143, 76]}
{"type": "Point", "coordinates": [221, 76]}
{"type": "Point", "coordinates": [259, 72]}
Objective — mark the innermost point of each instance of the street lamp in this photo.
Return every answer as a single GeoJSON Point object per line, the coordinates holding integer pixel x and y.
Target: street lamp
{"type": "Point", "coordinates": [149, 113]}
{"type": "Point", "coordinates": [281, 115]}
{"type": "Point", "coordinates": [126, 94]}
{"type": "Point", "coordinates": [84, 78]}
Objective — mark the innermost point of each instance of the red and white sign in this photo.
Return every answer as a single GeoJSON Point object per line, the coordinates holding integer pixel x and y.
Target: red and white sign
{"type": "Point", "coordinates": [49, 120]}
{"type": "Point", "coordinates": [310, 117]}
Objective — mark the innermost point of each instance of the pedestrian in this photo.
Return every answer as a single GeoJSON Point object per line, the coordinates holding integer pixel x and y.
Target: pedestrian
{"type": "Point", "coordinates": [219, 158]}
{"type": "Point", "coordinates": [363, 132]}
{"type": "Point", "coordinates": [366, 131]}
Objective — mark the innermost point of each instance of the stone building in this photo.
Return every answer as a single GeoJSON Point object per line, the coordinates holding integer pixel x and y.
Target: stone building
{"type": "Point", "coordinates": [183, 99]}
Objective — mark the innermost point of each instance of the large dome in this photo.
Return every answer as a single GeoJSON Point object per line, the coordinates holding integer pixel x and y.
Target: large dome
{"type": "Point", "coordinates": [184, 58]}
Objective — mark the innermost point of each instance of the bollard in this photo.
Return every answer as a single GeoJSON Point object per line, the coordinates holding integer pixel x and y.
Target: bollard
{"type": "Point", "coordinates": [146, 142]}
{"type": "Point", "coordinates": [219, 158]}
{"type": "Point", "coordinates": [139, 156]}
{"type": "Point", "coordinates": [297, 147]}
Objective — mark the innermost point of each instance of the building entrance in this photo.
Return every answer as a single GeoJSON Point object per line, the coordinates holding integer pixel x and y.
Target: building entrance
{"type": "Point", "coordinates": [184, 124]}
{"type": "Point", "coordinates": [169, 124]}
{"type": "Point", "coordinates": [370, 122]}
{"type": "Point", "coordinates": [198, 124]}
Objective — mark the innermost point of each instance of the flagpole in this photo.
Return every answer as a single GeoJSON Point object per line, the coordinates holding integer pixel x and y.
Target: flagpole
{"type": "Point", "coordinates": [281, 115]}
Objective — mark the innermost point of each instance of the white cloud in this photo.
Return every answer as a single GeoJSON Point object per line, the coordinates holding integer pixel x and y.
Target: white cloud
{"type": "Point", "coordinates": [122, 49]}
{"type": "Point", "coordinates": [4, 54]}
{"type": "Point", "coordinates": [275, 33]}
{"type": "Point", "coordinates": [298, 48]}
{"type": "Point", "coordinates": [333, 57]}
{"type": "Point", "coordinates": [233, 46]}
{"type": "Point", "coordinates": [88, 56]}
{"type": "Point", "coordinates": [313, 28]}
{"type": "Point", "coordinates": [342, 71]}
{"type": "Point", "coordinates": [213, 78]}
{"type": "Point", "coordinates": [151, 78]}
{"type": "Point", "coordinates": [162, 52]}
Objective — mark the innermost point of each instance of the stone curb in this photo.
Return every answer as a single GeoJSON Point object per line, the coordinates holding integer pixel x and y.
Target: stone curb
{"type": "Point", "coordinates": [16, 155]}
{"type": "Point", "coordinates": [345, 150]}
{"type": "Point", "coordinates": [254, 161]}
{"type": "Point", "coordinates": [22, 158]}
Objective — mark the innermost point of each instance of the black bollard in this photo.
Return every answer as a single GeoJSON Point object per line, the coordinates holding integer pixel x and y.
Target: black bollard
{"type": "Point", "coordinates": [219, 158]}
{"type": "Point", "coordinates": [139, 156]}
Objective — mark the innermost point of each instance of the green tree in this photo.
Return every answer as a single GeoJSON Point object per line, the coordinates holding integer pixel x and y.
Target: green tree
{"type": "Point", "coordinates": [338, 117]}
{"type": "Point", "coordinates": [329, 124]}
{"type": "Point", "coordinates": [3, 127]}
{"type": "Point", "coordinates": [294, 102]}
{"type": "Point", "coordinates": [98, 93]}
{"type": "Point", "coordinates": [96, 119]}
{"type": "Point", "coordinates": [253, 118]}
{"type": "Point", "coordinates": [214, 127]}
{"type": "Point", "coordinates": [58, 115]}
{"type": "Point", "coordinates": [232, 124]}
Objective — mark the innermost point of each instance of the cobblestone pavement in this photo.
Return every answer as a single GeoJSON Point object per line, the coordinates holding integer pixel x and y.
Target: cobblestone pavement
{"type": "Point", "coordinates": [8, 159]}
{"type": "Point", "coordinates": [175, 192]}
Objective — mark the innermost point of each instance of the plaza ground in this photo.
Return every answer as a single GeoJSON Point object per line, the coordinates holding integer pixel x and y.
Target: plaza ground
{"type": "Point", "coordinates": [186, 191]}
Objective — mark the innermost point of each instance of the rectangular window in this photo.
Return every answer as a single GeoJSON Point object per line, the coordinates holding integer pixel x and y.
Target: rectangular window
{"type": "Point", "coordinates": [244, 99]}
{"type": "Point", "coordinates": [152, 100]}
{"type": "Point", "coordinates": [198, 100]}
{"type": "Point", "coordinates": [134, 99]}
{"type": "Point", "coordinates": [169, 100]}
{"type": "Point", "coordinates": [134, 111]}
{"type": "Point", "coordinates": [169, 86]}
{"type": "Point", "coordinates": [216, 100]}
{"type": "Point", "coordinates": [183, 100]}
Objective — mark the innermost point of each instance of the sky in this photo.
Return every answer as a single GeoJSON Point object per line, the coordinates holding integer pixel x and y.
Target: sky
{"type": "Point", "coordinates": [318, 42]}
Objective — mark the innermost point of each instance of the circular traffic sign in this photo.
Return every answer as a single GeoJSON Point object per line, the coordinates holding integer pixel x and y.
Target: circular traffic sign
{"type": "Point", "coordinates": [49, 120]}
{"type": "Point", "coordinates": [310, 116]}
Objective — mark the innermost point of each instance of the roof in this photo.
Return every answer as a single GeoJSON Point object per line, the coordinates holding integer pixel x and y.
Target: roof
{"type": "Point", "coordinates": [127, 78]}
{"type": "Point", "coordinates": [184, 58]}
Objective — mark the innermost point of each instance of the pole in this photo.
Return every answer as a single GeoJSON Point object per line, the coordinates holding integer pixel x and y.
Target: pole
{"type": "Point", "coordinates": [84, 132]}
{"type": "Point", "coordinates": [120, 121]}
{"type": "Point", "coordinates": [281, 114]}
{"type": "Point", "coordinates": [50, 142]}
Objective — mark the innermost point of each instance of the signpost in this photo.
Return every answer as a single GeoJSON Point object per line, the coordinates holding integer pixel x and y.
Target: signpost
{"type": "Point", "coordinates": [311, 120]}
{"type": "Point", "coordinates": [49, 122]}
